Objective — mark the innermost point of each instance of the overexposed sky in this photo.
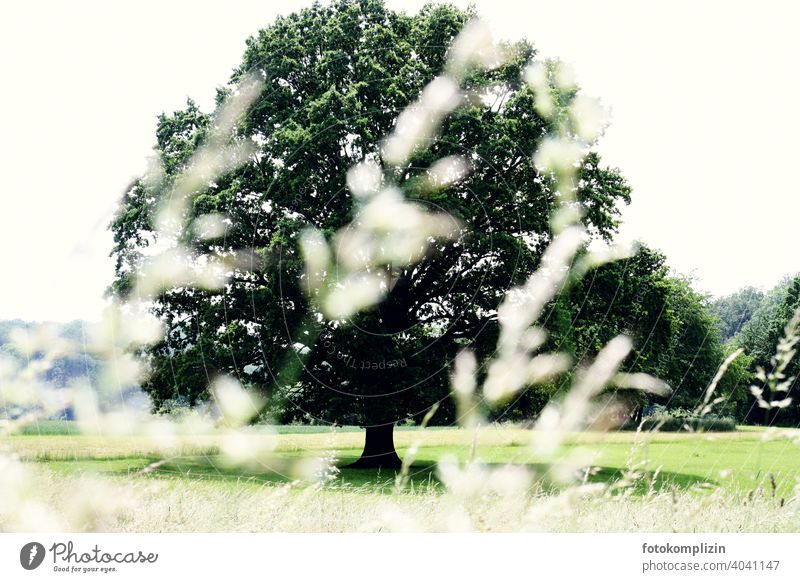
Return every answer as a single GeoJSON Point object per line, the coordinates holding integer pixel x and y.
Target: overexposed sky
{"type": "Point", "coordinates": [704, 99]}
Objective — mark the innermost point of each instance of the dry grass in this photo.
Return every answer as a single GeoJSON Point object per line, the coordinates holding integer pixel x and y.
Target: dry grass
{"type": "Point", "coordinates": [156, 505]}
{"type": "Point", "coordinates": [679, 488]}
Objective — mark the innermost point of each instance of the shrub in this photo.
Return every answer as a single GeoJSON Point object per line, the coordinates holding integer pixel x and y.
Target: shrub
{"type": "Point", "coordinates": [679, 419]}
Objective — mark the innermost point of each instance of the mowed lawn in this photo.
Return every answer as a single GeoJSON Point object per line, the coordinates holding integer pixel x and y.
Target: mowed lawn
{"type": "Point", "coordinates": [739, 462]}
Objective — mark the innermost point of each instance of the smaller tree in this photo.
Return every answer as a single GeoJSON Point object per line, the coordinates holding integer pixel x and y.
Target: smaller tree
{"type": "Point", "coordinates": [769, 338]}
{"type": "Point", "coordinates": [675, 337]}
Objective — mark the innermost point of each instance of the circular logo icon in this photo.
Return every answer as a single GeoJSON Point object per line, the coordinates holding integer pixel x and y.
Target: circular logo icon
{"type": "Point", "coordinates": [31, 555]}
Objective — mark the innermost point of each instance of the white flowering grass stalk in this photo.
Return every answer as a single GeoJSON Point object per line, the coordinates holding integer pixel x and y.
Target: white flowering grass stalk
{"type": "Point", "coordinates": [775, 383]}
{"type": "Point", "coordinates": [518, 364]}
{"type": "Point", "coordinates": [707, 403]}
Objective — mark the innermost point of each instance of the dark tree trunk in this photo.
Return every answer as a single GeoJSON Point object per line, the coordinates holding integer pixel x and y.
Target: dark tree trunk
{"type": "Point", "coordinates": [771, 416]}
{"type": "Point", "coordinates": [379, 450]}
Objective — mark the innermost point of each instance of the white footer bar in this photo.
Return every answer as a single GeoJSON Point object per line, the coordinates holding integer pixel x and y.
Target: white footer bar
{"type": "Point", "coordinates": [389, 557]}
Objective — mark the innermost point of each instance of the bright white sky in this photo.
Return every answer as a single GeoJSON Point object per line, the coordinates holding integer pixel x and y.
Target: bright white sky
{"type": "Point", "coordinates": [704, 99]}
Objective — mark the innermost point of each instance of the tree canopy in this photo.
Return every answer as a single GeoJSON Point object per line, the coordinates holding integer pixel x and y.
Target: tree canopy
{"type": "Point", "coordinates": [336, 77]}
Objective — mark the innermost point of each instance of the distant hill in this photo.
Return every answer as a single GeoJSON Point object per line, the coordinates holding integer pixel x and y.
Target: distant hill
{"type": "Point", "coordinates": [65, 370]}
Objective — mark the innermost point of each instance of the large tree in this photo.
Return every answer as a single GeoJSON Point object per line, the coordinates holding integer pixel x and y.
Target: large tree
{"type": "Point", "coordinates": [336, 78]}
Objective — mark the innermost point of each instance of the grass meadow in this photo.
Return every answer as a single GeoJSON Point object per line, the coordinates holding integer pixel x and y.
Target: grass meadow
{"type": "Point", "coordinates": [735, 481]}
